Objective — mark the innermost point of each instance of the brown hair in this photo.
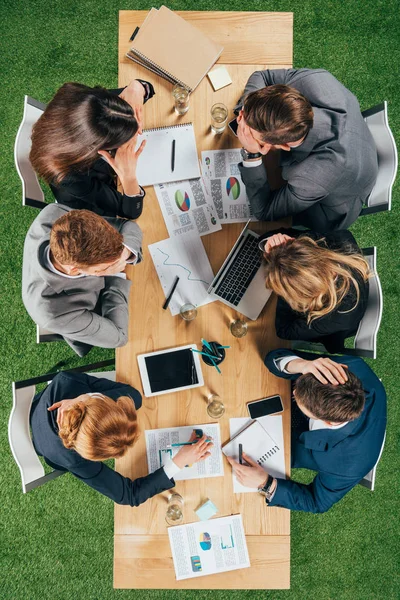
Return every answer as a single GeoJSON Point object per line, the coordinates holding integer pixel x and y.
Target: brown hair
{"type": "Point", "coordinates": [280, 113]}
{"type": "Point", "coordinates": [76, 124]}
{"type": "Point", "coordinates": [83, 238]}
{"type": "Point", "coordinates": [311, 278]}
{"type": "Point", "coordinates": [99, 428]}
{"type": "Point", "coordinates": [336, 403]}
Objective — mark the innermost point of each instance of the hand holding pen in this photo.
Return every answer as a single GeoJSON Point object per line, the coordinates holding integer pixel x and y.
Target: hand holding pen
{"type": "Point", "coordinates": [194, 451]}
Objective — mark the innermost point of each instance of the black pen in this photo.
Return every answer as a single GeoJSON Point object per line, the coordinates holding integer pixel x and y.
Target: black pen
{"type": "Point", "coordinates": [173, 156]}
{"type": "Point", "coordinates": [168, 300]}
{"type": "Point", "coordinates": [240, 454]}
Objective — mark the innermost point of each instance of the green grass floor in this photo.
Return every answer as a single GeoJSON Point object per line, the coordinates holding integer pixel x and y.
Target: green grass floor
{"type": "Point", "coordinates": [57, 541]}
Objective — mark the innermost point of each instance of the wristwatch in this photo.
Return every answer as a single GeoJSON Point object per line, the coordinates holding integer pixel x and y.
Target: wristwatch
{"type": "Point", "coordinates": [265, 490]}
{"type": "Point", "coordinates": [249, 155]}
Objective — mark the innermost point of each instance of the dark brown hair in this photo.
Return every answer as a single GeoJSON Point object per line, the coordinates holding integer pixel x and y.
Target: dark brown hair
{"type": "Point", "coordinates": [280, 113]}
{"type": "Point", "coordinates": [336, 403]}
{"type": "Point", "coordinates": [77, 123]}
{"type": "Point", "coordinates": [83, 238]}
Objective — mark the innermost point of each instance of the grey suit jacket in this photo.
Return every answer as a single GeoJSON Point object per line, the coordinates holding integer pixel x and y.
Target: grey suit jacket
{"type": "Point", "coordinates": [331, 174]}
{"type": "Point", "coordinates": [87, 311]}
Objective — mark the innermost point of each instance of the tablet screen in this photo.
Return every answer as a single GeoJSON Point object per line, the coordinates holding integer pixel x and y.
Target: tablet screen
{"type": "Point", "coordinates": [171, 370]}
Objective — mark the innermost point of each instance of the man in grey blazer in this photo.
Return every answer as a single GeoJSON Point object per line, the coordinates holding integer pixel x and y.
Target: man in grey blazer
{"type": "Point", "coordinates": [73, 280]}
{"type": "Point", "coordinates": [328, 158]}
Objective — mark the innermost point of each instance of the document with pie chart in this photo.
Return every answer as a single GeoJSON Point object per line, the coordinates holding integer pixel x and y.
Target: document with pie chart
{"type": "Point", "coordinates": [224, 184]}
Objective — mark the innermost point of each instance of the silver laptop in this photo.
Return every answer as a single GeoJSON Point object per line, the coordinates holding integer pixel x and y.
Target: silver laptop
{"type": "Point", "coordinates": [240, 282]}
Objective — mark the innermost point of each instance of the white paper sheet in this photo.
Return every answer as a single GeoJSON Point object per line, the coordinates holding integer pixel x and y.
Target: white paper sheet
{"type": "Point", "coordinates": [157, 441]}
{"type": "Point", "coordinates": [186, 206]}
{"type": "Point", "coordinates": [224, 183]}
{"type": "Point", "coordinates": [185, 257]}
{"type": "Point", "coordinates": [215, 546]}
{"type": "Point", "coordinates": [276, 464]}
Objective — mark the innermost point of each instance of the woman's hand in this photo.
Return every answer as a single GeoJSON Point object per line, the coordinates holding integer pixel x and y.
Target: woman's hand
{"type": "Point", "coordinates": [188, 455]}
{"type": "Point", "coordinates": [124, 164]}
{"type": "Point", "coordinates": [276, 240]}
{"type": "Point", "coordinates": [250, 475]}
{"type": "Point", "coordinates": [134, 94]}
{"type": "Point", "coordinates": [324, 369]}
{"type": "Point", "coordinates": [62, 406]}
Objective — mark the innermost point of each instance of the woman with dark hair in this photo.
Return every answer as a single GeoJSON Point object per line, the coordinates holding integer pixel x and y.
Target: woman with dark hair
{"type": "Point", "coordinates": [84, 139]}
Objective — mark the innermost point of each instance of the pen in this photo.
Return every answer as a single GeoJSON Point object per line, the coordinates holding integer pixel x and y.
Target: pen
{"type": "Point", "coordinates": [204, 353]}
{"type": "Point", "coordinates": [173, 156]}
{"type": "Point", "coordinates": [168, 300]}
{"type": "Point", "coordinates": [185, 444]}
{"type": "Point", "coordinates": [240, 454]}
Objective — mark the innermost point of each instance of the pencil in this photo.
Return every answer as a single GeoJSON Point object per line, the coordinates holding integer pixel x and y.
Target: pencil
{"type": "Point", "coordinates": [168, 300]}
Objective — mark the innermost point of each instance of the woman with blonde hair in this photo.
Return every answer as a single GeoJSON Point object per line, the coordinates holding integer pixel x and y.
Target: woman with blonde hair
{"type": "Point", "coordinates": [79, 420]}
{"type": "Point", "coordinates": [321, 282]}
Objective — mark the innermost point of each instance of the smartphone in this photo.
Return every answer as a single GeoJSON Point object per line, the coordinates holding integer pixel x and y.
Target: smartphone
{"type": "Point", "coordinates": [266, 406]}
{"type": "Point", "coordinates": [233, 126]}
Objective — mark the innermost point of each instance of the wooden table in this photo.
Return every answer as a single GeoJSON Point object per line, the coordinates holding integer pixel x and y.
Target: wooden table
{"type": "Point", "coordinates": [142, 555]}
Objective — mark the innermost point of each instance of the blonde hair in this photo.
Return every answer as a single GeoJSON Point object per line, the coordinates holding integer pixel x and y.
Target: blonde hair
{"type": "Point", "coordinates": [311, 278]}
{"type": "Point", "coordinates": [100, 428]}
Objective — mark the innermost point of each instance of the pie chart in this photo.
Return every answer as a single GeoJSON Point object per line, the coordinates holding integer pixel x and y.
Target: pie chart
{"type": "Point", "coordinates": [182, 200]}
{"type": "Point", "coordinates": [233, 188]}
{"type": "Point", "coordinates": [205, 541]}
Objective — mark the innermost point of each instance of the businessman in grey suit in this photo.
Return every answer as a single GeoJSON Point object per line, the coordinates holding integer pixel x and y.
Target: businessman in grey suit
{"type": "Point", "coordinates": [328, 158]}
{"type": "Point", "coordinates": [73, 280]}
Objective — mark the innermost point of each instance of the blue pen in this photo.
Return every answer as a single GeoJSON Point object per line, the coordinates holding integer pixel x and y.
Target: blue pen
{"type": "Point", "coordinates": [210, 356]}
{"type": "Point", "coordinates": [206, 344]}
{"type": "Point", "coordinates": [218, 369]}
{"type": "Point", "coordinates": [223, 346]}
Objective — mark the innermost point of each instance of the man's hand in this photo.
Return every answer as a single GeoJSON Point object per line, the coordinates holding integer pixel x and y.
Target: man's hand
{"type": "Point", "coordinates": [276, 240]}
{"type": "Point", "coordinates": [324, 369]}
{"type": "Point", "coordinates": [247, 139]}
{"type": "Point", "coordinates": [125, 163]}
{"type": "Point", "coordinates": [250, 475]}
{"type": "Point", "coordinates": [134, 94]}
{"type": "Point", "coordinates": [188, 455]}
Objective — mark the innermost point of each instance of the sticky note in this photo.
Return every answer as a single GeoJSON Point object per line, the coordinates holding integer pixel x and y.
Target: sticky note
{"type": "Point", "coordinates": [206, 511]}
{"type": "Point", "coordinates": [219, 78]}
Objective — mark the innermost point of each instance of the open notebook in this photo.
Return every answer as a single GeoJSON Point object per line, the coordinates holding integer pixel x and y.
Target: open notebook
{"type": "Point", "coordinates": [154, 164]}
{"type": "Point", "coordinates": [173, 49]}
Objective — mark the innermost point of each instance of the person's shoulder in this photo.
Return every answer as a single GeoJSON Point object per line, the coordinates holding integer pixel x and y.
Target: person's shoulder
{"type": "Point", "coordinates": [51, 213]}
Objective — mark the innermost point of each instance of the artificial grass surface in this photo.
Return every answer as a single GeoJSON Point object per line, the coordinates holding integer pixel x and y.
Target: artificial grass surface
{"type": "Point", "coordinates": [57, 541]}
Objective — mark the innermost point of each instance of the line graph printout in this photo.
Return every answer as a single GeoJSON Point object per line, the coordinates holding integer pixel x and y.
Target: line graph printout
{"type": "Point", "coordinates": [185, 257]}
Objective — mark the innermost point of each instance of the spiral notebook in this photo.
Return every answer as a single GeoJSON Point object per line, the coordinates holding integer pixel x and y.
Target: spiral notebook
{"type": "Point", "coordinates": [172, 48]}
{"type": "Point", "coordinates": [155, 163]}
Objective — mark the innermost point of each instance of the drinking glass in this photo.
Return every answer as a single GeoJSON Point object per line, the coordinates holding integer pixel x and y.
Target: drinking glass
{"type": "Point", "coordinates": [174, 514]}
{"type": "Point", "coordinates": [181, 96]}
{"type": "Point", "coordinates": [215, 406]}
{"type": "Point", "coordinates": [219, 117]}
{"type": "Point", "coordinates": [188, 312]}
{"type": "Point", "coordinates": [238, 328]}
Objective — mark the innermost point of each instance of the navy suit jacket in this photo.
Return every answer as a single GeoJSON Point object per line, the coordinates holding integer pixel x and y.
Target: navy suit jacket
{"type": "Point", "coordinates": [342, 457]}
{"type": "Point", "coordinates": [97, 475]}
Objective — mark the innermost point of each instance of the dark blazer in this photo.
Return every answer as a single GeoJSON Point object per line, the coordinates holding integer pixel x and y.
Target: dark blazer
{"type": "Point", "coordinates": [342, 457]}
{"type": "Point", "coordinates": [331, 174]}
{"type": "Point", "coordinates": [97, 475]}
{"type": "Point", "coordinates": [332, 329]}
{"type": "Point", "coordinates": [96, 188]}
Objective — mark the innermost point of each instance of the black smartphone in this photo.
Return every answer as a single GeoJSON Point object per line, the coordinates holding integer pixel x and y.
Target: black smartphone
{"type": "Point", "coordinates": [233, 126]}
{"type": "Point", "coordinates": [264, 407]}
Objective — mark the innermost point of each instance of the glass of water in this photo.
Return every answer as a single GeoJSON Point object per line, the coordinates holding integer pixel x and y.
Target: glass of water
{"type": "Point", "coordinates": [181, 96]}
{"type": "Point", "coordinates": [174, 514]}
{"type": "Point", "coordinates": [219, 117]}
{"type": "Point", "coordinates": [188, 312]}
{"type": "Point", "coordinates": [238, 328]}
{"type": "Point", "coordinates": [215, 406]}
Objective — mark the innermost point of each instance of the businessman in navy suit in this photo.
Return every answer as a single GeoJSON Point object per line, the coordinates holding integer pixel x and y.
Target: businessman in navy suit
{"type": "Point", "coordinates": [338, 428]}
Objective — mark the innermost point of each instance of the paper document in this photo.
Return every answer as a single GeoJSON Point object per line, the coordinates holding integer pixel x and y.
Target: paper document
{"type": "Point", "coordinates": [186, 206]}
{"type": "Point", "coordinates": [203, 548]}
{"type": "Point", "coordinates": [263, 442]}
{"type": "Point", "coordinates": [223, 182]}
{"type": "Point", "coordinates": [158, 440]}
{"type": "Point", "coordinates": [185, 257]}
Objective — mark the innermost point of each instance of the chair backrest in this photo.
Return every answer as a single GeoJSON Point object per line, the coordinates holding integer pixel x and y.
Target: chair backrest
{"type": "Point", "coordinates": [44, 335]}
{"type": "Point", "coordinates": [369, 480]}
{"type": "Point", "coordinates": [377, 121]}
{"type": "Point", "coordinates": [32, 193]}
{"type": "Point", "coordinates": [19, 436]}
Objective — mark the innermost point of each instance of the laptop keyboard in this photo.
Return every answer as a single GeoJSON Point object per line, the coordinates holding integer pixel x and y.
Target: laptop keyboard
{"type": "Point", "coordinates": [241, 272]}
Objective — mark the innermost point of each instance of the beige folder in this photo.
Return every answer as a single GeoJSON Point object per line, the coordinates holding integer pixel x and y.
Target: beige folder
{"type": "Point", "coordinates": [169, 46]}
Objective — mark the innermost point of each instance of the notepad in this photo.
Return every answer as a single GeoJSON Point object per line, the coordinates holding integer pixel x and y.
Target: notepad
{"type": "Point", "coordinates": [154, 164]}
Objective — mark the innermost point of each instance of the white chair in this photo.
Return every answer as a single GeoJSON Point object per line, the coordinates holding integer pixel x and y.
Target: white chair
{"type": "Point", "coordinates": [381, 196]}
{"type": "Point", "coordinates": [32, 193]}
{"type": "Point", "coordinates": [31, 469]}
{"type": "Point", "coordinates": [369, 480]}
{"type": "Point", "coordinates": [365, 339]}
{"type": "Point", "coordinates": [44, 335]}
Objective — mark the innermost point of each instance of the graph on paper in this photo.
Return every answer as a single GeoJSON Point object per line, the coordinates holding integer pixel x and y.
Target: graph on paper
{"type": "Point", "coordinates": [186, 258]}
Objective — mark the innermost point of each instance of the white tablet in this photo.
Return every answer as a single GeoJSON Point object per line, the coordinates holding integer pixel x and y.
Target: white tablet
{"type": "Point", "coordinates": [171, 370]}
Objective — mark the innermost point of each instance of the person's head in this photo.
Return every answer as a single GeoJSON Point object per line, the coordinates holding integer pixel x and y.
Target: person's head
{"type": "Point", "coordinates": [77, 123]}
{"type": "Point", "coordinates": [312, 279]}
{"type": "Point", "coordinates": [278, 115]}
{"type": "Point", "coordinates": [334, 404]}
{"type": "Point", "coordinates": [98, 428]}
{"type": "Point", "coordinates": [82, 242]}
